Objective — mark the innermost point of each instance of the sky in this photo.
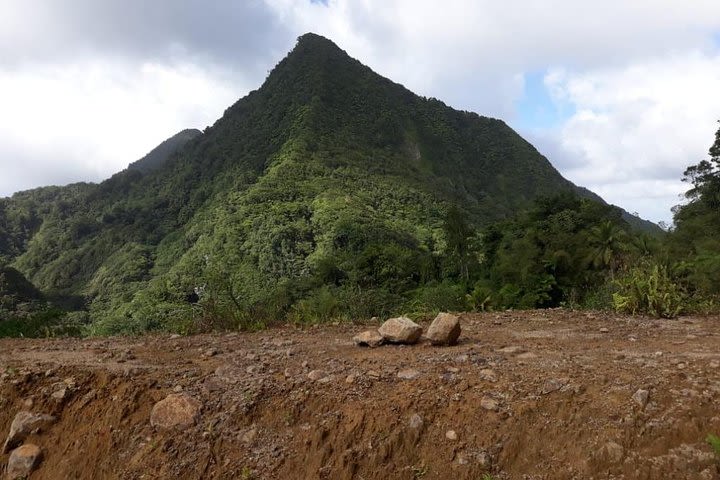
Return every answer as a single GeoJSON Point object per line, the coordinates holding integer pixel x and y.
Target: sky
{"type": "Point", "coordinates": [620, 96]}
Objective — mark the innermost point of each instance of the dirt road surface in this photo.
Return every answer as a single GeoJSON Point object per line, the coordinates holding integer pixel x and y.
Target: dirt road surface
{"type": "Point", "coordinates": [552, 394]}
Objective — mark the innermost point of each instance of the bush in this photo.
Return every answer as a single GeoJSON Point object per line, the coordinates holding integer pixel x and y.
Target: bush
{"type": "Point", "coordinates": [432, 298]}
{"type": "Point", "coordinates": [648, 290]}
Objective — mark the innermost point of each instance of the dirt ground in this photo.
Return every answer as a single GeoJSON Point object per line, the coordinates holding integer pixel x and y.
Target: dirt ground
{"type": "Point", "coordinates": [524, 395]}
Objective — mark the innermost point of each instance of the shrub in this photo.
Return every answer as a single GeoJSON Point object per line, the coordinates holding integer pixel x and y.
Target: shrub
{"type": "Point", "coordinates": [648, 289]}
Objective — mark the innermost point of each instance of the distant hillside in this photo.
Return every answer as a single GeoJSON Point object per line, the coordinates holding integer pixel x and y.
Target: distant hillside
{"type": "Point", "coordinates": [160, 154]}
{"type": "Point", "coordinates": [328, 177]}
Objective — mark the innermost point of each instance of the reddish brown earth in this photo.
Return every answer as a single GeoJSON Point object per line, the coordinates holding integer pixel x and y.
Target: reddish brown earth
{"type": "Point", "coordinates": [557, 407]}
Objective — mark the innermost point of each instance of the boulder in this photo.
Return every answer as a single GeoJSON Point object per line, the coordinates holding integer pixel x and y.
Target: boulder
{"type": "Point", "coordinates": [369, 338]}
{"type": "Point", "coordinates": [23, 460]}
{"type": "Point", "coordinates": [23, 425]}
{"type": "Point", "coordinates": [444, 330]}
{"type": "Point", "coordinates": [176, 410]}
{"type": "Point", "coordinates": [400, 330]}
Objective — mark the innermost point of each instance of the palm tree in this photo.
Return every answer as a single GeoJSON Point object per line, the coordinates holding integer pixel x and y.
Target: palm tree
{"type": "Point", "coordinates": [607, 242]}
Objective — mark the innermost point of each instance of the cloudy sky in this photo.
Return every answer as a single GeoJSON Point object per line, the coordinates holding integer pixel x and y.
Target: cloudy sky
{"type": "Point", "coordinates": [620, 95]}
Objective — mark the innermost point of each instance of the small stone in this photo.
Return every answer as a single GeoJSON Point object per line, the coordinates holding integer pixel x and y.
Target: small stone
{"type": "Point", "coordinates": [416, 421]}
{"type": "Point", "coordinates": [451, 435]}
{"type": "Point", "coordinates": [604, 330]}
{"type": "Point", "coordinates": [176, 410]}
{"type": "Point", "coordinates": [488, 375]}
{"type": "Point", "coordinates": [229, 373]}
{"type": "Point", "coordinates": [489, 404]}
{"type": "Point", "coordinates": [373, 374]}
{"type": "Point", "coordinates": [350, 379]}
{"type": "Point", "coordinates": [60, 394]}
{"type": "Point", "coordinates": [526, 356]}
{"type": "Point", "coordinates": [613, 452]}
{"type": "Point", "coordinates": [177, 388]}
{"type": "Point", "coordinates": [23, 425]}
{"type": "Point", "coordinates": [408, 374]}
{"type": "Point", "coordinates": [400, 330]}
{"type": "Point", "coordinates": [444, 330]}
{"type": "Point", "coordinates": [511, 350]}
{"type": "Point", "coordinates": [249, 436]}
{"type": "Point", "coordinates": [23, 460]}
{"type": "Point", "coordinates": [714, 364]}
{"type": "Point", "coordinates": [552, 385]}
{"type": "Point", "coordinates": [210, 352]}
{"type": "Point", "coordinates": [316, 375]}
{"type": "Point", "coordinates": [369, 338]}
{"type": "Point", "coordinates": [640, 397]}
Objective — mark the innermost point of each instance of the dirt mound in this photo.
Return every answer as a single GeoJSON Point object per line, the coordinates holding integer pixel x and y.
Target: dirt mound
{"type": "Point", "coordinates": [524, 395]}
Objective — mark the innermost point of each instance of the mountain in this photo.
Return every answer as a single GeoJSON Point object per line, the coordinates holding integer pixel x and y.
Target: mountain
{"type": "Point", "coordinates": [328, 186]}
{"type": "Point", "coordinates": [160, 154]}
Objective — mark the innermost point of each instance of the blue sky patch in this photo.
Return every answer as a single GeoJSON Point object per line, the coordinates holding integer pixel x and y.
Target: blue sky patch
{"type": "Point", "coordinates": [537, 110]}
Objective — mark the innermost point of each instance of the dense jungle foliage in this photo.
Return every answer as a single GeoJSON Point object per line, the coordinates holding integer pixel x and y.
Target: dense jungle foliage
{"type": "Point", "coordinates": [332, 193]}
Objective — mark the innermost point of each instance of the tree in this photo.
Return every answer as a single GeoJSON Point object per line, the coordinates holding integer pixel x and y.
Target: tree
{"type": "Point", "coordinates": [607, 241]}
{"type": "Point", "coordinates": [459, 235]}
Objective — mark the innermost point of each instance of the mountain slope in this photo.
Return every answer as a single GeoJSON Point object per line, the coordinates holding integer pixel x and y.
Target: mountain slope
{"type": "Point", "coordinates": [162, 153]}
{"type": "Point", "coordinates": [327, 186]}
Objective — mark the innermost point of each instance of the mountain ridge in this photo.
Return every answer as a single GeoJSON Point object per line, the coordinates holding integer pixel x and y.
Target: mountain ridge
{"type": "Point", "coordinates": [328, 175]}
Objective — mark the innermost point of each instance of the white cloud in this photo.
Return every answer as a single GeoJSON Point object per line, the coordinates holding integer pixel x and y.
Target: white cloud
{"type": "Point", "coordinates": [89, 120]}
{"type": "Point", "coordinates": [636, 128]}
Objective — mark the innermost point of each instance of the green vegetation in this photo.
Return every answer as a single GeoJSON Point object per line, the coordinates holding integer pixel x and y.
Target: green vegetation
{"type": "Point", "coordinates": [714, 442]}
{"type": "Point", "coordinates": [332, 193]}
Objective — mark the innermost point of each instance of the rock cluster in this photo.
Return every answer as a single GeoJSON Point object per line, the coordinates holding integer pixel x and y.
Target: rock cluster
{"type": "Point", "coordinates": [25, 458]}
{"type": "Point", "coordinates": [444, 330]}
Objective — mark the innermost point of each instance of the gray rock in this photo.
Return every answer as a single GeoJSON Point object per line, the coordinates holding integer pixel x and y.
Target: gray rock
{"type": "Point", "coordinates": [316, 375]}
{"type": "Point", "coordinates": [553, 385]}
{"type": "Point", "coordinates": [408, 374]}
{"type": "Point", "coordinates": [416, 421]}
{"type": "Point", "coordinates": [23, 425]}
{"type": "Point", "coordinates": [176, 410]}
{"type": "Point", "coordinates": [400, 330]}
{"type": "Point", "coordinates": [451, 435]}
{"type": "Point", "coordinates": [641, 397]}
{"type": "Point", "coordinates": [444, 330]}
{"type": "Point", "coordinates": [489, 404]}
{"type": "Point", "coordinates": [23, 460]}
{"type": "Point", "coordinates": [369, 338]}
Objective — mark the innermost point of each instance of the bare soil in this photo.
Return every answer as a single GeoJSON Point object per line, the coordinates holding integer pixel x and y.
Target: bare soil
{"type": "Point", "coordinates": [556, 404]}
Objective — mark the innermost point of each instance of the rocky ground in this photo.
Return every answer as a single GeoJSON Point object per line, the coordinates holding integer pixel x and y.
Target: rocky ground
{"type": "Point", "coordinates": [524, 395]}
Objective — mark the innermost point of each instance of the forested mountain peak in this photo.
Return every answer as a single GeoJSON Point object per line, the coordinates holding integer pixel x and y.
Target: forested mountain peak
{"type": "Point", "coordinates": [330, 187]}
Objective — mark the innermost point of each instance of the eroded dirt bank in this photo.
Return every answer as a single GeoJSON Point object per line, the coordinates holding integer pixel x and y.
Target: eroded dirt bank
{"type": "Point", "coordinates": [525, 395]}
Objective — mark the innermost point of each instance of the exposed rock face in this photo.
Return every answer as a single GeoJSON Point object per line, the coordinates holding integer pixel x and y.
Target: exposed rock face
{"type": "Point", "coordinates": [400, 330]}
{"type": "Point", "coordinates": [23, 425]}
{"type": "Point", "coordinates": [369, 338]}
{"type": "Point", "coordinates": [176, 410]}
{"type": "Point", "coordinates": [444, 330]}
{"type": "Point", "coordinates": [23, 460]}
